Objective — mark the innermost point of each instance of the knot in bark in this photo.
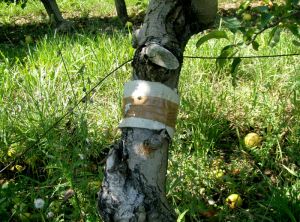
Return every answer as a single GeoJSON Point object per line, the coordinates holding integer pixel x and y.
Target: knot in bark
{"type": "Point", "coordinates": [155, 141]}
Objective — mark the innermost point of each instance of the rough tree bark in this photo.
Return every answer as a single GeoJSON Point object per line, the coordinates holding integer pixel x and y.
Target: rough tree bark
{"type": "Point", "coordinates": [135, 174]}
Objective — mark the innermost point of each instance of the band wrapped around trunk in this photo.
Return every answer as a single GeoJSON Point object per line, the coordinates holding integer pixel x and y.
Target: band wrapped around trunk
{"type": "Point", "coordinates": [149, 105]}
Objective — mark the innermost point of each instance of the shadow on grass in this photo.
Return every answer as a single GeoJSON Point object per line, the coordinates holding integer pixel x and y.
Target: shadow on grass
{"type": "Point", "coordinates": [13, 42]}
{"type": "Point", "coordinates": [213, 146]}
{"type": "Point", "coordinates": [14, 34]}
{"type": "Point", "coordinates": [64, 162]}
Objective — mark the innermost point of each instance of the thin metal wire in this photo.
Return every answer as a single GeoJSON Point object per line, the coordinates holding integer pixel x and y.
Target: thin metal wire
{"type": "Point", "coordinates": [241, 57]}
{"type": "Point", "coordinates": [113, 71]}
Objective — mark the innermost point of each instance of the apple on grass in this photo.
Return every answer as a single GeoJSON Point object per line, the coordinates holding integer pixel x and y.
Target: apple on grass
{"type": "Point", "coordinates": [234, 201]}
{"type": "Point", "coordinates": [252, 140]}
{"type": "Point", "coordinates": [247, 16]}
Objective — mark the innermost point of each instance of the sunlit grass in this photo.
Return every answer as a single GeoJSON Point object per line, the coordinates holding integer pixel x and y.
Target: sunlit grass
{"type": "Point", "coordinates": [214, 119]}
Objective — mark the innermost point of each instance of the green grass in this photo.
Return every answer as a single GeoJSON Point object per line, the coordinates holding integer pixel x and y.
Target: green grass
{"type": "Point", "coordinates": [215, 116]}
{"type": "Point", "coordinates": [208, 159]}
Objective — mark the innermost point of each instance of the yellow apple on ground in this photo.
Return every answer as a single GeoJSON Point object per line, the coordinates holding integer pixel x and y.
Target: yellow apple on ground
{"type": "Point", "coordinates": [252, 140]}
{"type": "Point", "coordinates": [11, 152]}
{"type": "Point", "coordinates": [234, 201]}
{"type": "Point", "coordinates": [17, 167]}
{"type": "Point", "coordinates": [218, 173]}
{"type": "Point", "coordinates": [247, 17]}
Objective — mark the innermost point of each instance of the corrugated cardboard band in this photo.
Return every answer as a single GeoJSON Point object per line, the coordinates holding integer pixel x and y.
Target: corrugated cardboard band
{"type": "Point", "coordinates": [150, 105]}
{"type": "Point", "coordinates": [152, 108]}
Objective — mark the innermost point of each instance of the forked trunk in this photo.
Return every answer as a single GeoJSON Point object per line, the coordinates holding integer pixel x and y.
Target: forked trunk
{"type": "Point", "coordinates": [134, 185]}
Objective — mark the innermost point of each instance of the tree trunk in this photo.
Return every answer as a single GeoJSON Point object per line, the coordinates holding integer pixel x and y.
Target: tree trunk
{"type": "Point", "coordinates": [55, 15]}
{"type": "Point", "coordinates": [53, 11]}
{"type": "Point", "coordinates": [135, 174]}
{"type": "Point", "coordinates": [121, 10]}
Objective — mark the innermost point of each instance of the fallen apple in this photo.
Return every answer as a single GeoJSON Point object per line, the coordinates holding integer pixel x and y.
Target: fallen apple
{"type": "Point", "coordinates": [218, 173]}
{"type": "Point", "coordinates": [252, 140]}
{"type": "Point", "coordinates": [11, 152]}
{"type": "Point", "coordinates": [234, 201]}
{"type": "Point", "coordinates": [247, 17]}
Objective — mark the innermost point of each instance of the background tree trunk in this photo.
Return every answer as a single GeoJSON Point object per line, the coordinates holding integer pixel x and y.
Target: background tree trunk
{"type": "Point", "coordinates": [121, 10]}
{"type": "Point", "coordinates": [134, 185]}
{"type": "Point", "coordinates": [55, 14]}
{"type": "Point", "coordinates": [53, 11]}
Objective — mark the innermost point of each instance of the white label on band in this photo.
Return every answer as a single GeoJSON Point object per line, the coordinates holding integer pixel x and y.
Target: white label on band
{"type": "Point", "coordinates": [145, 88]}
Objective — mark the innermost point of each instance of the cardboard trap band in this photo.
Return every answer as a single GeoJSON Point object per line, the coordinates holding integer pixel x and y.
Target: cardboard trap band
{"type": "Point", "coordinates": [149, 105]}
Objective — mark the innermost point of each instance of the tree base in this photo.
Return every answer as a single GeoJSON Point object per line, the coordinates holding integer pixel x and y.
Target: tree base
{"type": "Point", "coordinates": [129, 190]}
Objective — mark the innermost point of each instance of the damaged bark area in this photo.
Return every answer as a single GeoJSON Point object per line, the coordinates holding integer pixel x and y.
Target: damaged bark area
{"type": "Point", "coordinates": [128, 192]}
{"type": "Point", "coordinates": [135, 174]}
